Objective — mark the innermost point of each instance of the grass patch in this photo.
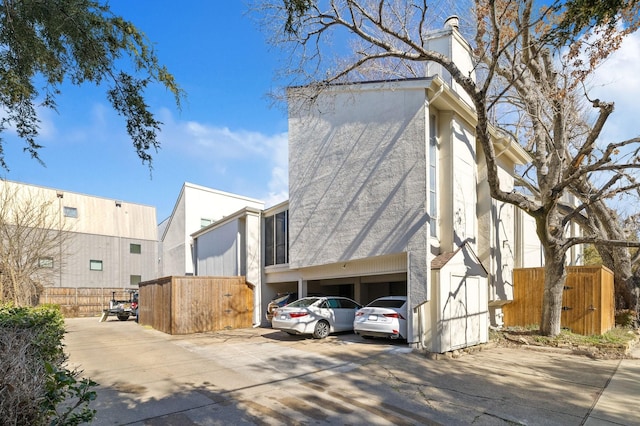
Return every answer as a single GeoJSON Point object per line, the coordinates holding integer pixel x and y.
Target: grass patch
{"type": "Point", "coordinates": [613, 343]}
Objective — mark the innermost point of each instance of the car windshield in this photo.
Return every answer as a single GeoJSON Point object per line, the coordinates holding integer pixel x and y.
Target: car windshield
{"type": "Point", "coordinates": [303, 303]}
{"type": "Point", "coordinates": [280, 299]}
{"type": "Point", "coordinates": [387, 303]}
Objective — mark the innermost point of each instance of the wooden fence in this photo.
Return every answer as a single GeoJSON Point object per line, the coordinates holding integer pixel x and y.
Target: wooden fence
{"type": "Point", "coordinates": [83, 301]}
{"type": "Point", "coordinates": [588, 299]}
{"type": "Point", "coordinates": [183, 305]}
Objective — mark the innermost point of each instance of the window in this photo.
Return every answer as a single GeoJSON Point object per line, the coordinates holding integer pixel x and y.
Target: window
{"type": "Point", "coordinates": [135, 248]}
{"type": "Point", "coordinates": [333, 303]}
{"type": "Point", "coordinates": [281, 225]}
{"type": "Point", "coordinates": [205, 222]}
{"type": "Point", "coordinates": [433, 175]}
{"type": "Point", "coordinates": [45, 262]}
{"type": "Point", "coordinates": [95, 265]}
{"type": "Point", "coordinates": [134, 280]}
{"type": "Point", "coordinates": [276, 239]}
{"type": "Point", "coordinates": [348, 304]}
{"type": "Point", "coordinates": [387, 303]}
{"type": "Point", "coordinates": [268, 241]}
{"type": "Point", "coordinates": [70, 212]}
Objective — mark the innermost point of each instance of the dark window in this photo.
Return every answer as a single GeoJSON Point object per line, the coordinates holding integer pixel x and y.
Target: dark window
{"type": "Point", "coordinates": [348, 304]}
{"type": "Point", "coordinates": [281, 238]}
{"type": "Point", "coordinates": [135, 248]}
{"type": "Point", "coordinates": [333, 303]}
{"type": "Point", "coordinates": [70, 212]}
{"type": "Point", "coordinates": [268, 241]}
{"type": "Point", "coordinates": [395, 303]}
{"type": "Point", "coordinates": [276, 239]}
{"type": "Point", "coordinates": [304, 302]}
{"type": "Point", "coordinates": [95, 265]}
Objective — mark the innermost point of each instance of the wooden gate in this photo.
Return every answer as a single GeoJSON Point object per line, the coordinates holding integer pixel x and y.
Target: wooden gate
{"type": "Point", "coordinates": [588, 299]}
{"type": "Point", "coordinates": [183, 305]}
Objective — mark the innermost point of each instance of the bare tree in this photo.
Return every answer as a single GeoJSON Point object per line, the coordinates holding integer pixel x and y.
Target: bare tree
{"type": "Point", "coordinates": [33, 242]}
{"type": "Point", "coordinates": [532, 62]}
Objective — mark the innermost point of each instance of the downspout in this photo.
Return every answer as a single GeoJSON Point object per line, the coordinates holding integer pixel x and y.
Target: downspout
{"type": "Point", "coordinates": [258, 322]}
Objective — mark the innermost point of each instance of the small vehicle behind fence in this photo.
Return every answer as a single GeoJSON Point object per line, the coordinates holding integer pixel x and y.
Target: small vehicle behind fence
{"type": "Point", "coordinates": [122, 309]}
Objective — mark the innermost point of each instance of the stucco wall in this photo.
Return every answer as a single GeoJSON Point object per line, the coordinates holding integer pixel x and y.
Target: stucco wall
{"type": "Point", "coordinates": [173, 256]}
{"type": "Point", "coordinates": [498, 245]}
{"type": "Point", "coordinates": [450, 43]}
{"type": "Point", "coordinates": [217, 251]}
{"type": "Point", "coordinates": [251, 251]}
{"type": "Point", "coordinates": [357, 174]}
{"type": "Point", "coordinates": [462, 178]}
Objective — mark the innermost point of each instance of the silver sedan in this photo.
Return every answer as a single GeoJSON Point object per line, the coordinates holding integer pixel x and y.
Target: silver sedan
{"type": "Point", "coordinates": [318, 316]}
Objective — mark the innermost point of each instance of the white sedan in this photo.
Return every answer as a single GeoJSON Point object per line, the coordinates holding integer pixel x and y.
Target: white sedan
{"type": "Point", "coordinates": [384, 317]}
{"type": "Point", "coordinates": [318, 316]}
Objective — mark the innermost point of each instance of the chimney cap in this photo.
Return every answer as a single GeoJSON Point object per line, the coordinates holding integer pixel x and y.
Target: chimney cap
{"type": "Point", "coordinates": [452, 22]}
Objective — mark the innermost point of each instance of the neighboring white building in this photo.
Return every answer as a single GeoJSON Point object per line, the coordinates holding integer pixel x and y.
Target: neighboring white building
{"type": "Point", "coordinates": [232, 247]}
{"type": "Point", "coordinates": [112, 243]}
{"type": "Point", "coordinates": [196, 207]}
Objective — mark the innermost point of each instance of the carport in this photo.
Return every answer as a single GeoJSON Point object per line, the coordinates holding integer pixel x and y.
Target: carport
{"type": "Point", "coordinates": [360, 280]}
{"type": "Point", "coordinates": [361, 289]}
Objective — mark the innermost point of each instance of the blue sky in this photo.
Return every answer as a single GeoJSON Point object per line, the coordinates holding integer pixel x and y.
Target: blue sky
{"type": "Point", "coordinates": [228, 135]}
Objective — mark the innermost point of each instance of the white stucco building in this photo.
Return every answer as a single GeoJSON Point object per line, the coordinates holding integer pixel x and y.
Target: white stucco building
{"type": "Point", "coordinates": [196, 207]}
{"type": "Point", "coordinates": [388, 196]}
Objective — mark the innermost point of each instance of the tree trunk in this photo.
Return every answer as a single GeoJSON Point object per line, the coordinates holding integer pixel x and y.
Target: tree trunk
{"type": "Point", "coordinates": [555, 277]}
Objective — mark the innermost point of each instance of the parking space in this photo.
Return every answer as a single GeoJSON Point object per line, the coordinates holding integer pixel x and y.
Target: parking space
{"type": "Point", "coordinates": [263, 376]}
{"type": "Point", "coordinates": [145, 374]}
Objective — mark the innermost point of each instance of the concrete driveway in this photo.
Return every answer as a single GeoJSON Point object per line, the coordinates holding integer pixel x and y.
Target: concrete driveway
{"type": "Point", "coordinates": [265, 377]}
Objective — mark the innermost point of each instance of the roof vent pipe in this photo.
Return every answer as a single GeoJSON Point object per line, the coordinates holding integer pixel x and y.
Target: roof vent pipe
{"type": "Point", "coordinates": [452, 22]}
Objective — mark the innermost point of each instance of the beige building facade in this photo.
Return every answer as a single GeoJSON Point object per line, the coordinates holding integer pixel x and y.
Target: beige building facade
{"type": "Point", "coordinates": [108, 243]}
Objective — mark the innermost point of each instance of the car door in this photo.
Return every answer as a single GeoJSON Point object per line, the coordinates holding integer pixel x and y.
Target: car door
{"type": "Point", "coordinates": [345, 314]}
{"type": "Point", "coordinates": [326, 311]}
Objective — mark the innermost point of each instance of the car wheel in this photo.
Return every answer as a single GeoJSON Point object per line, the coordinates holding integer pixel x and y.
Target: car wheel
{"type": "Point", "coordinates": [321, 330]}
{"type": "Point", "coordinates": [122, 317]}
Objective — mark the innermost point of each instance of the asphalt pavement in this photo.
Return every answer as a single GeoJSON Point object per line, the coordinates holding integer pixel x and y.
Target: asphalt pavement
{"type": "Point", "coordinates": [265, 377]}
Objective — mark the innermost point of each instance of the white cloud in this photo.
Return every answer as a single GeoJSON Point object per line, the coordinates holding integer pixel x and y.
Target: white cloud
{"type": "Point", "coordinates": [46, 127]}
{"type": "Point", "coordinates": [618, 75]}
{"type": "Point", "coordinates": [617, 80]}
{"type": "Point", "coordinates": [227, 150]}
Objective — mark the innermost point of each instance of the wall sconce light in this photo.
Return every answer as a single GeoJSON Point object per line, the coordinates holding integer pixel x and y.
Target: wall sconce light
{"type": "Point", "coordinates": [59, 194]}
{"type": "Point", "coordinates": [118, 203]}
